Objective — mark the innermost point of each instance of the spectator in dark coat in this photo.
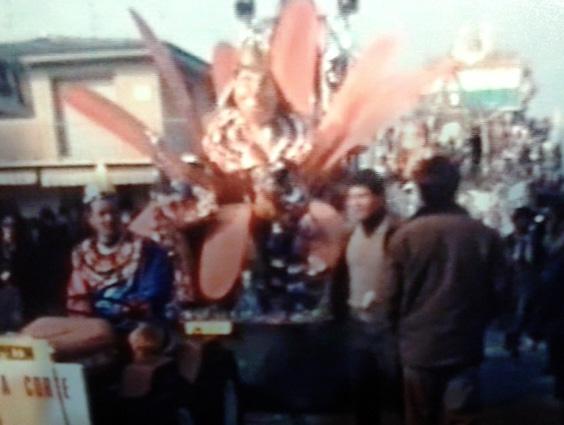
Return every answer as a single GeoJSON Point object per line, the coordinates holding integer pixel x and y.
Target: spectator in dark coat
{"type": "Point", "coordinates": [475, 143]}
{"type": "Point", "coordinates": [11, 313]}
{"type": "Point", "coordinates": [19, 281]}
{"type": "Point", "coordinates": [441, 289]}
{"type": "Point", "coordinates": [53, 249]}
{"type": "Point", "coordinates": [151, 386]}
{"type": "Point", "coordinates": [523, 250]}
{"type": "Point", "coordinates": [549, 314]}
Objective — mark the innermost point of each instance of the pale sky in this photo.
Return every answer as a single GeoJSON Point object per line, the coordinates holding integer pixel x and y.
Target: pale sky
{"type": "Point", "coordinates": [532, 28]}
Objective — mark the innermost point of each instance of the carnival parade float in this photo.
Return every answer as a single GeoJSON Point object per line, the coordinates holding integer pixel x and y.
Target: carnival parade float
{"type": "Point", "coordinates": [243, 214]}
{"type": "Point", "coordinates": [478, 115]}
{"type": "Point", "coordinates": [246, 214]}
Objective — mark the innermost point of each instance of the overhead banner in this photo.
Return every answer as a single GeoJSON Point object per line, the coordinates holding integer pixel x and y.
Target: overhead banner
{"type": "Point", "coordinates": [492, 88]}
{"type": "Point", "coordinates": [36, 391]}
{"type": "Point", "coordinates": [489, 78]}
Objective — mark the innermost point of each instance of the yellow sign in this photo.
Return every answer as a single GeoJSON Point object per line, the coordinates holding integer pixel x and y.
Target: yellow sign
{"type": "Point", "coordinates": [16, 352]}
{"type": "Point", "coordinates": [36, 391]}
{"type": "Point", "coordinates": [205, 327]}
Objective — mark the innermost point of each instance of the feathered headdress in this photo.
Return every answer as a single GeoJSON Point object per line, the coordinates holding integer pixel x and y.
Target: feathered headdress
{"type": "Point", "coordinates": [370, 96]}
{"type": "Point", "coordinates": [101, 187]}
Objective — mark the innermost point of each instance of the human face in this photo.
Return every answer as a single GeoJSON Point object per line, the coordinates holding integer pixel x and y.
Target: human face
{"type": "Point", "coordinates": [361, 203]}
{"type": "Point", "coordinates": [255, 96]}
{"type": "Point", "coordinates": [105, 220]}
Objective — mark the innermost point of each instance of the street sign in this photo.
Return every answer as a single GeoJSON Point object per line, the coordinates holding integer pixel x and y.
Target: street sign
{"type": "Point", "coordinates": [36, 391]}
{"type": "Point", "coordinates": [207, 327]}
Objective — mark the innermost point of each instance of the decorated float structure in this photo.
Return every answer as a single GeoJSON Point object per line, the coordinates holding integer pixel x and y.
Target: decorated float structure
{"type": "Point", "coordinates": [244, 213]}
{"type": "Point", "coordinates": [477, 115]}
{"type": "Point", "coordinates": [257, 166]}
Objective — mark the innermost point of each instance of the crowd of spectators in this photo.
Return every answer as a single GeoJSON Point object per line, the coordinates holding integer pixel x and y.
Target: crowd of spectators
{"type": "Point", "coordinates": [421, 291]}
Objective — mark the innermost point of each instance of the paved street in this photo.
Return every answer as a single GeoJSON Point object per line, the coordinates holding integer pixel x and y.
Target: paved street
{"type": "Point", "coordinates": [515, 391]}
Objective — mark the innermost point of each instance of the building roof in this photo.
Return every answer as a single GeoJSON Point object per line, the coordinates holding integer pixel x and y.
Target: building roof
{"type": "Point", "coordinates": [55, 50]}
{"type": "Point", "coordinates": [188, 60]}
{"type": "Point", "coordinates": [11, 52]}
{"type": "Point", "coordinates": [64, 46]}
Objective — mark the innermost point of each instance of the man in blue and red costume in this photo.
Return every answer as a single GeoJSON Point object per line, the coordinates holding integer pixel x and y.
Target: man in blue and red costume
{"type": "Point", "coordinates": [117, 276]}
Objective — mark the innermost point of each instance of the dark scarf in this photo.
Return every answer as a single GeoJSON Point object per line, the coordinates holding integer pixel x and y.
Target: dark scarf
{"type": "Point", "coordinates": [372, 222]}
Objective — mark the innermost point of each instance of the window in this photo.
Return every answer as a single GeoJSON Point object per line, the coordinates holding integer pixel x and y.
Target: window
{"type": "Point", "coordinates": [14, 92]}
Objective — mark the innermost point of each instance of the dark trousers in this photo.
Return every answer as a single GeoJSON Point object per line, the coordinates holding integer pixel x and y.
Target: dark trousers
{"type": "Point", "coordinates": [555, 345]}
{"type": "Point", "coordinates": [376, 374]}
{"type": "Point", "coordinates": [441, 395]}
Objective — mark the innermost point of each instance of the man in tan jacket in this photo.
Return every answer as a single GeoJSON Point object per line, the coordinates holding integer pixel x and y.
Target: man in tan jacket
{"type": "Point", "coordinates": [374, 355]}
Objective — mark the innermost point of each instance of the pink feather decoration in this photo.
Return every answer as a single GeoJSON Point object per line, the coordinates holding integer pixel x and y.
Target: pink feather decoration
{"type": "Point", "coordinates": [393, 97]}
{"type": "Point", "coordinates": [110, 116]}
{"type": "Point", "coordinates": [174, 79]}
{"type": "Point", "coordinates": [295, 53]}
{"type": "Point", "coordinates": [370, 96]}
{"type": "Point", "coordinates": [329, 239]}
{"type": "Point", "coordinates": [224, 251]}
{"type": "Point", "coordinates": [224, 65]}
{"type": "Point", "coordinates": [128, 128]}
{"type": "Point", "coordinates": [361, 81]}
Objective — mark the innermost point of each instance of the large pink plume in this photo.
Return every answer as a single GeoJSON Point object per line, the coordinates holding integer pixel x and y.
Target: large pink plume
{"type": "Point", "coordinates": [224, 65]}
{"type": "Point", "coordinates": [174, 79]}
{"type": "Point", "coordinates": [129, 129]}
{"type": "Point", "coordinates": [371, 96]}
{"type": "Point", "coordinates": [394, 96]}
{"type": "Point", "coordinates": [364, 78]}
{"type": "Point", "coordinates": [110, 116]}
{"type": "Point", "coordinates": [224, 251]}
{"type": "Point", "coordinates": [328, 241]}
{"type": "Point", "coordinates": [295, 53]}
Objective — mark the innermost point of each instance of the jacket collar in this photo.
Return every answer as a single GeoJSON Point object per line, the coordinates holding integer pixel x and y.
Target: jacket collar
{"type": "Point", "coordinates": [450, 208]}
{"type": "Point", "coordinates": [371, 223]}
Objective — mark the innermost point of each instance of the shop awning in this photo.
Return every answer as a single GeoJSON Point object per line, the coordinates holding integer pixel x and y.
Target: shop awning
{"type": "Point", "coordinates": [18, 177]}
{"type": "Point", "coordinates": [69, 177]}
{"type": "Point", "coordinates": [74, 175]}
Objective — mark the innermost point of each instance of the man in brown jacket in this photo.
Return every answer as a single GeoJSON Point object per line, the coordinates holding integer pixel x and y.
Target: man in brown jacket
{"type": "Point", "coordinates": [441, 291]}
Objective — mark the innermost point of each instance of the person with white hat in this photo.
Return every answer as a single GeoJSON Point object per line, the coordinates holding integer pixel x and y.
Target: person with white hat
{"type": "Point", "coordinates": [116, 275]}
